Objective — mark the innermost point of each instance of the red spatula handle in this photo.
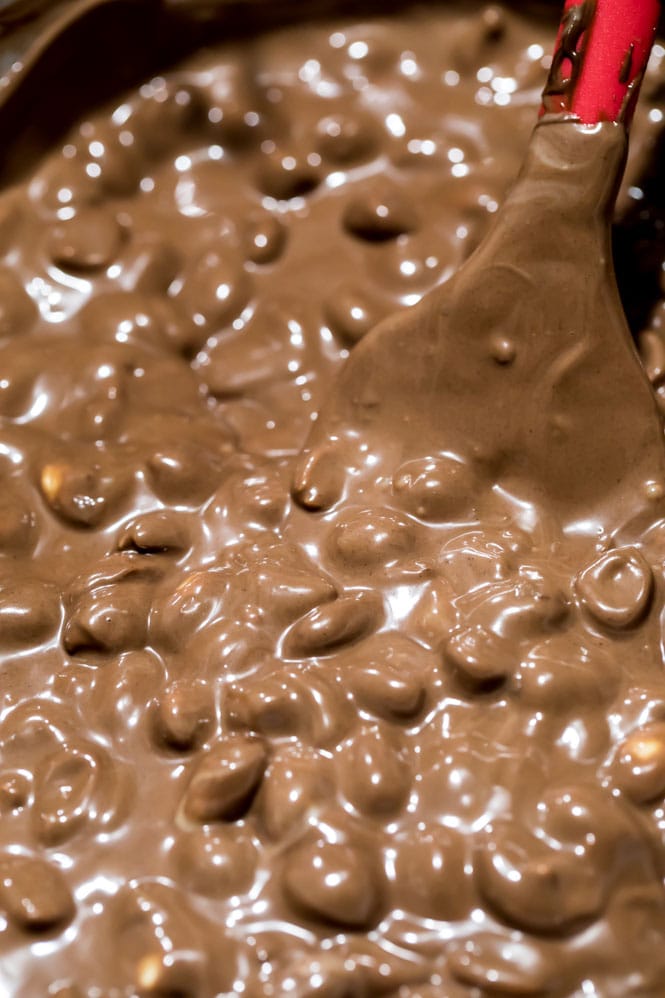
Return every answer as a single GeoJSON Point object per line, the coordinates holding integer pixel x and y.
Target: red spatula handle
{"type": "Point", "coordinates": [600, 57]}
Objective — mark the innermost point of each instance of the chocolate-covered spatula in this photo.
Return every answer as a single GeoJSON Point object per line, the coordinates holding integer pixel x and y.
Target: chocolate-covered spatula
{"type": "Point", "coordinates": [518, 381]}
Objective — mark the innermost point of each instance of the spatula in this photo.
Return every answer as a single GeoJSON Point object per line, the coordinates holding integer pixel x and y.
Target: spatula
{"type": "Point", "coordinates": [517, 382]}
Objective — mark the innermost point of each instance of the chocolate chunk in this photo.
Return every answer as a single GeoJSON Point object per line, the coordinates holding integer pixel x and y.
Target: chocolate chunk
{"type": "Point", "coordinates": [375, 773]}
{"type": "Point", "coordinates": [534, 886]}
{"type": "Point", "coordinates": [335, 883]}
{"type": "Point", "coordinates": [370, 539]}
{"type": "Point", "coordinates": [89, 241]}
{"type": "Point", "coordinates": [288, 173]}
{"type": "Point", "coordinates": [296, 785]}
{"type": "Point", "coordinates": [381, 214]}
{"type": "Point", "coordinates": [216, 861]}
{"type": "Point", "coordinates": [344, 621]}
{"type": "Point", "coordinates": [480, 658]}
{"type": "Point", "coordinates": [34, 893]}
{"type": "Point", "coordinates": [436, 488]}
{"type": "Point", "coordinates": [29, 612]}
{"type": "Point", "coordinates": [185, 714]}
{"type": "Point", "coordinates": [352, 312]}
{"type": "Point", "coordinates": [265, 238]}
{"type": "Point", "coordinates": [225, 780]}
{"type": "Point", "coordinates": [638, 768]}
{"type": "Point", "coordinates": [347, 139]}
{"type": "Point", "coordinates": [617, 589]}
{"type": "Point", "coordinates": [213, 290]}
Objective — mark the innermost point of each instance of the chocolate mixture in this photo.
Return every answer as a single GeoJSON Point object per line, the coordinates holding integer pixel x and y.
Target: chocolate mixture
{"type": "Point", "coordinates": [410, 746]}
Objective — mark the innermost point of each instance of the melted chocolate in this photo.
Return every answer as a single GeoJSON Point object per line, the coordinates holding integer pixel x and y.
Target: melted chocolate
{"type": "Point", "coordinates": [568, 58]}
{"type": "Point", "coordinates": [410, 745]}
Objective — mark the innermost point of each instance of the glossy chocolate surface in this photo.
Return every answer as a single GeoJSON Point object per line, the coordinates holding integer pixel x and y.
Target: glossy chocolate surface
{"type": "Point", "coordinates": [412, 744]}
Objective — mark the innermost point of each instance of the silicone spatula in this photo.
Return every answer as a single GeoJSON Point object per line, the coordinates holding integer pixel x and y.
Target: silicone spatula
{"type": "Point", "coordinates": [518, 378]}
